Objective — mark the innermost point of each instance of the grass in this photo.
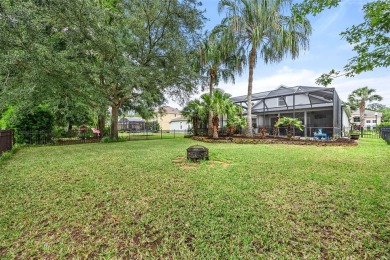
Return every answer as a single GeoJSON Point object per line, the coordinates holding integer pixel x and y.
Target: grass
{"type": "Point", "coordinates": [122, 200]}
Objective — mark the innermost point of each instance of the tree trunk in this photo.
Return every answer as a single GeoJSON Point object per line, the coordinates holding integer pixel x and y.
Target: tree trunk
{"type": "Point", "coordinates": [215, 126]}
{"type": "Point", "coordinates": [195, 126]}
{"type": "Point", "coordinates": [70, 126]}
{"type": "Point", "coordinates": [362, 108]}
{"type": "Point", "coordinates": [114, 121]}
{"type": "Point", "coordinates": [101, 124]}
{"type": "Point", "coordinates": [252, 58]}
{"type": "Point", "coordinates": [210, 127]}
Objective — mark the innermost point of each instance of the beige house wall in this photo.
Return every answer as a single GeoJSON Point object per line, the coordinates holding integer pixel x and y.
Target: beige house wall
{"type": "Point", "coordinates": [165, 119]}
{"type": "Point", "coordinates": [369, 117]}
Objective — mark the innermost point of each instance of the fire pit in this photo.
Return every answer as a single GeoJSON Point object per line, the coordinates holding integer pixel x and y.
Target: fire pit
{"type": "Point", "coordinates": [197, 152]}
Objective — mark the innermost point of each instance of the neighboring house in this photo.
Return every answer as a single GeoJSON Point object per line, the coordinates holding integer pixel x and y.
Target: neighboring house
{"type": "Point", "coordinates": [166, 116]}
{"type": "Point", "coordinates": [316, 107]}
{"type": "Point", "coordinates": [180, 124]}
{"type": "Point", "coordinates": [372, 118]}
{"type": "Point", "coordinates": [133, 124]}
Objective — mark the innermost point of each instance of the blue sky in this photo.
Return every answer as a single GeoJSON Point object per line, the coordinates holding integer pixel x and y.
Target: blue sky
{"type": "Point", "coordinates": [327, 51]}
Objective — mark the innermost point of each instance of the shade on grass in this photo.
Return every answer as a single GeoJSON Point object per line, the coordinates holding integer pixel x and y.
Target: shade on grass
{"type": "Point", "coordinates": [129, 200]}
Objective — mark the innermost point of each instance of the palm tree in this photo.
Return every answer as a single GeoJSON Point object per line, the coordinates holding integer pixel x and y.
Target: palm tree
{"type": "Point", "coordinates": [263, 30]}
{"type": "Point", "coordinates": [289, 122]}
{"type": "Point", "coordinates": [195, 112]}
{"type": "Point", "coordinates": [218, 59]}
{"type": "Point", "coordinates": [360, 97]}
{"type": "Point", "coordinates": [220, 104]}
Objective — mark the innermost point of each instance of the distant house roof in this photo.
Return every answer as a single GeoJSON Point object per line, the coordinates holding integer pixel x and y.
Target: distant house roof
{"type": "Point", "coordinates": [169, 110]}
{"type": "Point", "coordinates": [369, 113]}
{"type": "Point", "coordinates": [131, 119]}
{"type": "Point", "coordinates": [179, 119]}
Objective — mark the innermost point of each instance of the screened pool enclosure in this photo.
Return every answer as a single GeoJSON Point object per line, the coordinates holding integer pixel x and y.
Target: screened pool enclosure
{"type": "Point", "coordinates": [319, 109]}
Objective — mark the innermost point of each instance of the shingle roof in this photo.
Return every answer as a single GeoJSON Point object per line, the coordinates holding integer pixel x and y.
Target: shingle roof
{"type": "Point", "coordinates": [169, 110]}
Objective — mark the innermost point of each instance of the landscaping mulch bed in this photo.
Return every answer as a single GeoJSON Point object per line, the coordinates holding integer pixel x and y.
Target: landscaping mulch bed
{"type": "Point", "coordinates": [276, 140]}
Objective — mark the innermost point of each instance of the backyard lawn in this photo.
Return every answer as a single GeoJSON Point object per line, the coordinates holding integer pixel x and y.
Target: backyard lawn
{"type": "Point", "coordinates": [142, 200]}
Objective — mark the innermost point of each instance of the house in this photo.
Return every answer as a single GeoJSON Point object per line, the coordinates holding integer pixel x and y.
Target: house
{"type": "Point", "coordinates": [133, 124]}
{"type": "Point", "coordinates": [179, 124]}
{"type": "Point", "coordinates": [165, 115]}
{"type": "Point", "coordinates": [317, 107]}
{"type": "Point", "coordinates": [371, 118]}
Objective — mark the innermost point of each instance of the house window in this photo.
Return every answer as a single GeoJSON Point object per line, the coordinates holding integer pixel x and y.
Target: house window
{"type": "Point", "coordinates": [374, 121]}
{"type": "Point", "coordinates": [356, 119]}
{"type": "Point", "coordinates": [368, 121]}
{"type": "Point", "coordinates": [281, 102]}
{"type": "Point", "coordinates": [175, 115]}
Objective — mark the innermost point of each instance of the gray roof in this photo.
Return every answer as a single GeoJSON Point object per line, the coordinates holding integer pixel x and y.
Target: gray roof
{"type": "Point", "coordinates": [131, 119]}
{"type": "Point", "coordinates": [321, 92]}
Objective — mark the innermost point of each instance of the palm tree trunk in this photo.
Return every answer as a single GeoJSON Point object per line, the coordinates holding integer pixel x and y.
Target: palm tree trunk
{"type": "Point", "coordinates": [210, 119]}
{"type": "Point", "coordinates": [215, 126]}
{"type": "Point", "coordinates": [252, 58]}
{"type": "Point", "coordinates": [195, 126]}
{"type": "Point", "coordinates": [362, 108]}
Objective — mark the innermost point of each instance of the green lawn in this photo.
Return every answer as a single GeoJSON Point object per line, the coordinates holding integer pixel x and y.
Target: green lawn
{"type": "Point", "coordinates": [130, 200]}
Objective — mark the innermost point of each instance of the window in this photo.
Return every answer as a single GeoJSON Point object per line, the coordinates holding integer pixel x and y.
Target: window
{"type": "Point", "coordinates": [374, 121]}
{"type": "Point", "coordinates": [356, 119]}
{"type": "Point", "coordinates": [281, 102]}
{"type": "Point", "coordinates": [368, 121]}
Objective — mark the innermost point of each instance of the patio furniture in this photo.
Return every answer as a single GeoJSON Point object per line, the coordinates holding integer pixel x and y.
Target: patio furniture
{"type": "Point", "coordinates": [321, 135]}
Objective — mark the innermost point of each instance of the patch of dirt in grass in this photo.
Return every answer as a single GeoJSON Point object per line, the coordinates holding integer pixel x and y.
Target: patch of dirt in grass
{"type": "Point", "coordinates": [189, 243]}
{"type": "Point", "coordinates": [185, 164]}
{"type": "Point", "coordinates": [224, 164]}
{"type": "Point", "coordinates": [191, 165]}
{"type": "Point", "coordinates": [187, 167]}
{"type": "Point", "coordinates": [78, 235]}
{"type": "Point", "coordinates": [148, 238]}
{"type": "Point", "coordinates": [179, 160]}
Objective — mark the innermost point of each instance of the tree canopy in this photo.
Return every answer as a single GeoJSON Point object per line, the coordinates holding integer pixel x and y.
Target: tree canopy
{"type": "Point", "coordinates": [100, 53]}
{"type": "Point", "coordinates": [370, 39]}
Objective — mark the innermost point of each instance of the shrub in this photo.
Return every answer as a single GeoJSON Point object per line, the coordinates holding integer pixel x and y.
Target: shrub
{"type": "Point", "coordinates": [7, 119]}
{"type": "Point", "coordinates": [33, 125]}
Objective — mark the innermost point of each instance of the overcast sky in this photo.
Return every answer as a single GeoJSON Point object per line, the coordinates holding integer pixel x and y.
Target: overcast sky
{"type": "Point", "coordinates": [327, 51]}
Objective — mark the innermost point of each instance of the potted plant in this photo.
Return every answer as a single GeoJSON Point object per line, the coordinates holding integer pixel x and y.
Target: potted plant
{"type": "Point", "coordinates": [354, 134]}
{"type": "Point", "coordinates": [289, 123]}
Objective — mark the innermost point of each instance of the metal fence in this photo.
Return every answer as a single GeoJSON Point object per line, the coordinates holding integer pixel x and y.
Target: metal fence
{"type": "Point", "coordinates": [82, 137]}
{"type": "Point", "coordinates": [151, 135]}
{"type": "Point", "coordinates": [385, 133]}
{"type": "Point", "coordinates": [6, 140]}
{"type": "Point", "coordinates": [51, 138]}
{"type": "Point", "coordinates": [366, 132]}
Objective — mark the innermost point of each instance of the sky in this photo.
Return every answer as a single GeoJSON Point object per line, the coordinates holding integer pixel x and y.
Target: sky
{"type": "Point", "coordinates": [327, 51]}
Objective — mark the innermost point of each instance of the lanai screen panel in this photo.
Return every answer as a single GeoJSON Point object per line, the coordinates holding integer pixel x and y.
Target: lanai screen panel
{"type": "Point", "coordinates": [284, 98]}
